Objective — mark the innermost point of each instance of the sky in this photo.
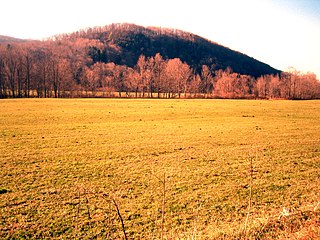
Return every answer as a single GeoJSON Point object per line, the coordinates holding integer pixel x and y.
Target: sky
{"type": "Point", "coordinates": [281, 33]}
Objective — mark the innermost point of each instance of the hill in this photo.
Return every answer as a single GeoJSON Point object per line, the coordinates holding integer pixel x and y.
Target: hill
{"type": "Point", "coordinates": [7, 39]}
{"type": "Point", "coordinates": [124, 43]}
{"type": "Point", "coordinates": [140, 62]}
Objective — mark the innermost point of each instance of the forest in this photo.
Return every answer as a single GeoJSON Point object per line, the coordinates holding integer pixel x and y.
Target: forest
{"type": "Point", "coordinates": [131, 61]}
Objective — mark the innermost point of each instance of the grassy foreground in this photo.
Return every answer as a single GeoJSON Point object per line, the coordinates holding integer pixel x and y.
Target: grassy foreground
{"type": "Point", "coordinates": [171, 169]}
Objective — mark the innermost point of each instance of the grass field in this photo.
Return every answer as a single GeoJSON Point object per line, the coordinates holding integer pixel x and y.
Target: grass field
{"type": "Point", "coordinates": [171, 169]}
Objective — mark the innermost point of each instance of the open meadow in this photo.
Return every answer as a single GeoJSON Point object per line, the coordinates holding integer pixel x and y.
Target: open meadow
{"type": "Point", "coordinates": [159, 169]}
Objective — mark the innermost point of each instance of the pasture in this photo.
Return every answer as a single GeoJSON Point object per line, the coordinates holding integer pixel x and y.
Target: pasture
{"type": "Point", "coordinates": [159, 169]}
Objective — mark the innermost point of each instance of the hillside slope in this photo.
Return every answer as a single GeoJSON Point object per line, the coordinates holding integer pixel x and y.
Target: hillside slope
{"type": "Point", "coordinates": [124, 43]}
{"type": "Point", "coordinates": [7, 39]}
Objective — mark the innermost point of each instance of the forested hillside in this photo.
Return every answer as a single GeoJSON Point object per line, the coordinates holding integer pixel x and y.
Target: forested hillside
{"type": "Point", "coordinates": [125, 60]}
{"type": "Point", "coordinates": [131, 41]}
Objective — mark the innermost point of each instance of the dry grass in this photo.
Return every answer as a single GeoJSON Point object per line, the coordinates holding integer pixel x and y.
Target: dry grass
{"type": "Point", "coordinates": [65, 163]}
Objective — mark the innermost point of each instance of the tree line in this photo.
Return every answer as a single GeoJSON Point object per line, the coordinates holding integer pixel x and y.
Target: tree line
{"type": "Point", "coordinates": [76, 68]}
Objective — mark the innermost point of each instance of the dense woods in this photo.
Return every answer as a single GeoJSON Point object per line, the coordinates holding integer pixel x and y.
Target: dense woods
{"type": "Point", "coordinates": [131, 61]}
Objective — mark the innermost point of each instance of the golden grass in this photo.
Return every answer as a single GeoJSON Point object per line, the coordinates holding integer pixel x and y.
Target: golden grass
{"type": "Point", "coordinates": [65, 163]}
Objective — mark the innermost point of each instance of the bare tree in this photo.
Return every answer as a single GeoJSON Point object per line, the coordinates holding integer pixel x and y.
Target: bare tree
{"type": "Point", "coordinates": [263, 86]}
{"type": "Point", "coordinates": [131, 81]}
{"type": "Point", "coordinates": [206, 80]}
{"type": "Point", "coordinates": [29, 66]}
{"type": "Point", "coordinates": [224, 83]}
{"type": "Point", "coordinates": [177, 75]}
{"type": "Point", "coordinates": [194, 85]}
{"type": "Point", "coordinates": [275, 88]}
{"type": "Point", "coordinates": [310, 86]}
{"type": "Point", "coordinates": [158, 72]}
{"type": "Point", "coordinates": [144, 74]}
{"type": "Point", "coordinates": [10, 67]}
{"type": "Point", "coordinates": [42, 58]}
{"type": "Point", "coordinates": [119, 78]}
{"type": "Point", "coordinates": [2, 73]}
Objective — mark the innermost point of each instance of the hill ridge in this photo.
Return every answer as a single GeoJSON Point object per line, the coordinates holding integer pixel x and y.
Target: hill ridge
{"type": "Point", "coordinates": [8, 39]}
{"type": "Point", "coordinates": [134, 40]}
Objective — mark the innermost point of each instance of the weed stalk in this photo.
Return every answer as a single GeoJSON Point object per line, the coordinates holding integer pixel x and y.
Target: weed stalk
{"type": "Point", "coordinates": [121, 219]}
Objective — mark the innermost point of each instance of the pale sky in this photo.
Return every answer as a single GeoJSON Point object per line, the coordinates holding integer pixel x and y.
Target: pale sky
{"type": "Point", "coordinates": [281, 33]}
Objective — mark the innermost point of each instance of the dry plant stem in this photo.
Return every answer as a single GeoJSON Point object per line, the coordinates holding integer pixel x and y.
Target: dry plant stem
{"type": "Point", "coordinates": [250, 197]}
{"type": "Point", "coordinates": [121, 219]}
